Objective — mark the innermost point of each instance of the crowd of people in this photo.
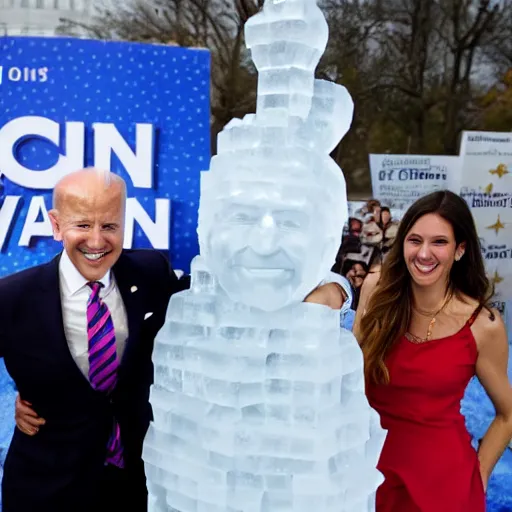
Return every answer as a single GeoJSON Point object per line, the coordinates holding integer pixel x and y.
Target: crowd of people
{"type": "Point", "coordinates": [368, 237]}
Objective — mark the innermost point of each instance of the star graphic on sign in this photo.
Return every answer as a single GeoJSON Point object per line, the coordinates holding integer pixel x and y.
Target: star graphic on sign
{"type": "Point", "coordinates": [496, 278]}
{"type": "Point", "coordinates": [497, 225]}
{"type": "Point", "coordinates": [500, 171]}
{"type": "Point", "coordinates": [488, 189]}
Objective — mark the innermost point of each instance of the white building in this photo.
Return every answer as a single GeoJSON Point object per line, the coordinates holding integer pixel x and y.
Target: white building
{"type": "Point", "coordinates": [40, 17]}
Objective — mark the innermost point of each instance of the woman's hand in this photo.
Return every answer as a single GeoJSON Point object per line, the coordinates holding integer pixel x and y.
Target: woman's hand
{"type": "Point", "coordinates": [27, 420]}
{"type": "Point", "coordinates": [485, 480]}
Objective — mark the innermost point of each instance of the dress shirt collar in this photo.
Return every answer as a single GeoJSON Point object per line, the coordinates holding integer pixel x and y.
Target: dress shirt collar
{"type": "Point", "coordinates": [71, 278]}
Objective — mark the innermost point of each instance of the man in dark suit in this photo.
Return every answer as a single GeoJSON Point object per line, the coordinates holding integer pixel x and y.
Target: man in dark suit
{"type": "Point", "coordinates": [70, 460]}
{"type": "Point", "coordinates": [87, 456]}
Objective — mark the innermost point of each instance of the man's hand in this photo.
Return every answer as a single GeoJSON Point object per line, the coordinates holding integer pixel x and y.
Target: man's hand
{"type": "Point", "coordinates": [27, 419]}
{"type": "Point", "coordinates": [330, 294]}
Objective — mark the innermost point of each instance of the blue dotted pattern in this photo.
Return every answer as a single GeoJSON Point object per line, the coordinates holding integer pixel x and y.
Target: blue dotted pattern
{"type": "Point", "coordinates": [112, 82]}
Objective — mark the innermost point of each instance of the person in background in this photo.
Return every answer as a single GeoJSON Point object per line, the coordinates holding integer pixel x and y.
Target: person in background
{"type": "Point", "coordinates": [355, 226]}
{"type": "Point", "coordinates": [389, 229]}
{"type": "Point", "coordinates": [356, 274]}
{"type": "Point", "coordinates": [371, 207]}
{"type": "Point", "coordinates": [384, 217]}
{"type": "Point", "coordinates": [372, 234]}
{"type": "Point", "coordinates": [350, 243]}
{"type": "Point", "coordinates": [425, 330]}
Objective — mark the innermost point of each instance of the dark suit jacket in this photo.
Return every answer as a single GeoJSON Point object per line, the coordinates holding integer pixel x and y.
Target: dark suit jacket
{"type": "Point", "coordinates": [58, 469]}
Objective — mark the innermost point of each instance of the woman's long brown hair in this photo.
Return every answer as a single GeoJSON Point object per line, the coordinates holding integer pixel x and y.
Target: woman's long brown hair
{"type": "Point", "coordinates": [388, 312]}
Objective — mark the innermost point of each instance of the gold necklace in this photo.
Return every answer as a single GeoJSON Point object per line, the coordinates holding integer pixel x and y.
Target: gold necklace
{"type": "Point", "coordinates": [416, 339]}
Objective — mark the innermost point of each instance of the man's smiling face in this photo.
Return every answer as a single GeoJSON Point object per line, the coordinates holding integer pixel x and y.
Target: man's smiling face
{"type": "Point", "coordinates": [89, 221]}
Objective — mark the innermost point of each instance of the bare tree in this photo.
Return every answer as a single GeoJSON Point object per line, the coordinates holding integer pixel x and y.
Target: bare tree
{"type": "Point", "coordinates": [213, 24]}
{"type": "Point", "coordinates": [233, 75]}
{"type": "Point", "coordinates": [352, 59]}
{"type": "Point", "coordinates": [498, 48]}
{"type": "Point", "coordinates": [410, 48]}
{"type": "Point", "coordinates": [465, 25]}
{"type": "Point", "coordinates": [430, 51]}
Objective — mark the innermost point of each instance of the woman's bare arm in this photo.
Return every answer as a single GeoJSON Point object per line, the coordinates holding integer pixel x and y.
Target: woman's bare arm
{"type": "Point", "coordinates": [491, 369]}
{"type": "Point", "coordinates": [369, 285]}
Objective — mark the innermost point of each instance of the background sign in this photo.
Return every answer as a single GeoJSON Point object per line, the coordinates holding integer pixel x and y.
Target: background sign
{"type": "Point", "coordinates": [140, 110]}
{"type": "Point", "coordinates": [398, 180]}
{"type": "Point", "coordinates": [486, 185]}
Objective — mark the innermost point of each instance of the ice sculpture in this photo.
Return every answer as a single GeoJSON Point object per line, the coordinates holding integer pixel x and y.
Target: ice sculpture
{"type": "Point", "coordinates": [258, 398]}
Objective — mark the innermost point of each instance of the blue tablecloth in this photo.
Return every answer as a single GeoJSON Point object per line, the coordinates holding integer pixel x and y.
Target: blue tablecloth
{"type": "Point", "coordinates": [7, 395]}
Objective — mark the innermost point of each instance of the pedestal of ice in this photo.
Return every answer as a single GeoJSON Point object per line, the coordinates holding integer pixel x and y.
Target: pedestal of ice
{"type": "Point", "coordinates": [257, 412]}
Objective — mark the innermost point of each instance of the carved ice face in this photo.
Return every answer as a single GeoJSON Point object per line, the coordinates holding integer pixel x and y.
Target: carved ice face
{"type": "Point", "coordinates": [265, 243]}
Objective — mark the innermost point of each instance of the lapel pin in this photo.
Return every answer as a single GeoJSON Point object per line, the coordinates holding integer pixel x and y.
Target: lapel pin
{"type": "Point", "coordinates": [133, 289]}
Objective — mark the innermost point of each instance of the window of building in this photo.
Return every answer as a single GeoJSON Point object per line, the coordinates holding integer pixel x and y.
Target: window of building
{"type": "Point", "coordinates": [24, 3]}
{"type": "Point", "coordinates": [39, 4]}
{"type": "Point", "coordinates": [63, 4]}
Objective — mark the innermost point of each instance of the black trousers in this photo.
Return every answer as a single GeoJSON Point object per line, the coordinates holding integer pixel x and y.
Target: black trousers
{"type": "Point", "coordinates": [122, 490]}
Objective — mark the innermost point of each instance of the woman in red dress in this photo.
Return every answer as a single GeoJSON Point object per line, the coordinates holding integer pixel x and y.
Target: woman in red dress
{"type": "Point", "coordinates": [425, 331]}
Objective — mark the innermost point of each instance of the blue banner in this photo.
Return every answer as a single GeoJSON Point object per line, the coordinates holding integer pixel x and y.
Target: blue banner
{"type": "Point", "coordinates": [140, 110]}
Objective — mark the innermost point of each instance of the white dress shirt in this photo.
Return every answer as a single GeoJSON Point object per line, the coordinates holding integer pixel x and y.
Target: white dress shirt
{"type": "Point", "coordinates": [74, 293]}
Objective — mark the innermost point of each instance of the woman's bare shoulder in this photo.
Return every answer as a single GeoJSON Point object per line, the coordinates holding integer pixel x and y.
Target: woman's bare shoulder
{"type": "Point", "coordinates": [489, 321]}
{"type": "Point", "coordinates": [488, 326]}
{"type": "Point", "coordinates": [487, 317]}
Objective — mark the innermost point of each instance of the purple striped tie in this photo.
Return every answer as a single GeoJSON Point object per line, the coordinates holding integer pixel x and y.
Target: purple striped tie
{"type": "Point", "coordinates": [103, 363]}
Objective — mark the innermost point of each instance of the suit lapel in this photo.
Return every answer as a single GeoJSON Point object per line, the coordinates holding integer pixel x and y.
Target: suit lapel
{"type": "Point", "coordinates": [52, 320]}
{"type": "Point", "coordinates": [130, 289]}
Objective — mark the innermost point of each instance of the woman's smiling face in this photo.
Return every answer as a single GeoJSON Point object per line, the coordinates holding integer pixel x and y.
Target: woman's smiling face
{"type": "Point", "coordinates": [430, 249]}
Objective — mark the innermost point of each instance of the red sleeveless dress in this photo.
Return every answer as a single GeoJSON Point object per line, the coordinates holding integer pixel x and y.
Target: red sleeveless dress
{"type": "Point", "coordinates": [427, 460]}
